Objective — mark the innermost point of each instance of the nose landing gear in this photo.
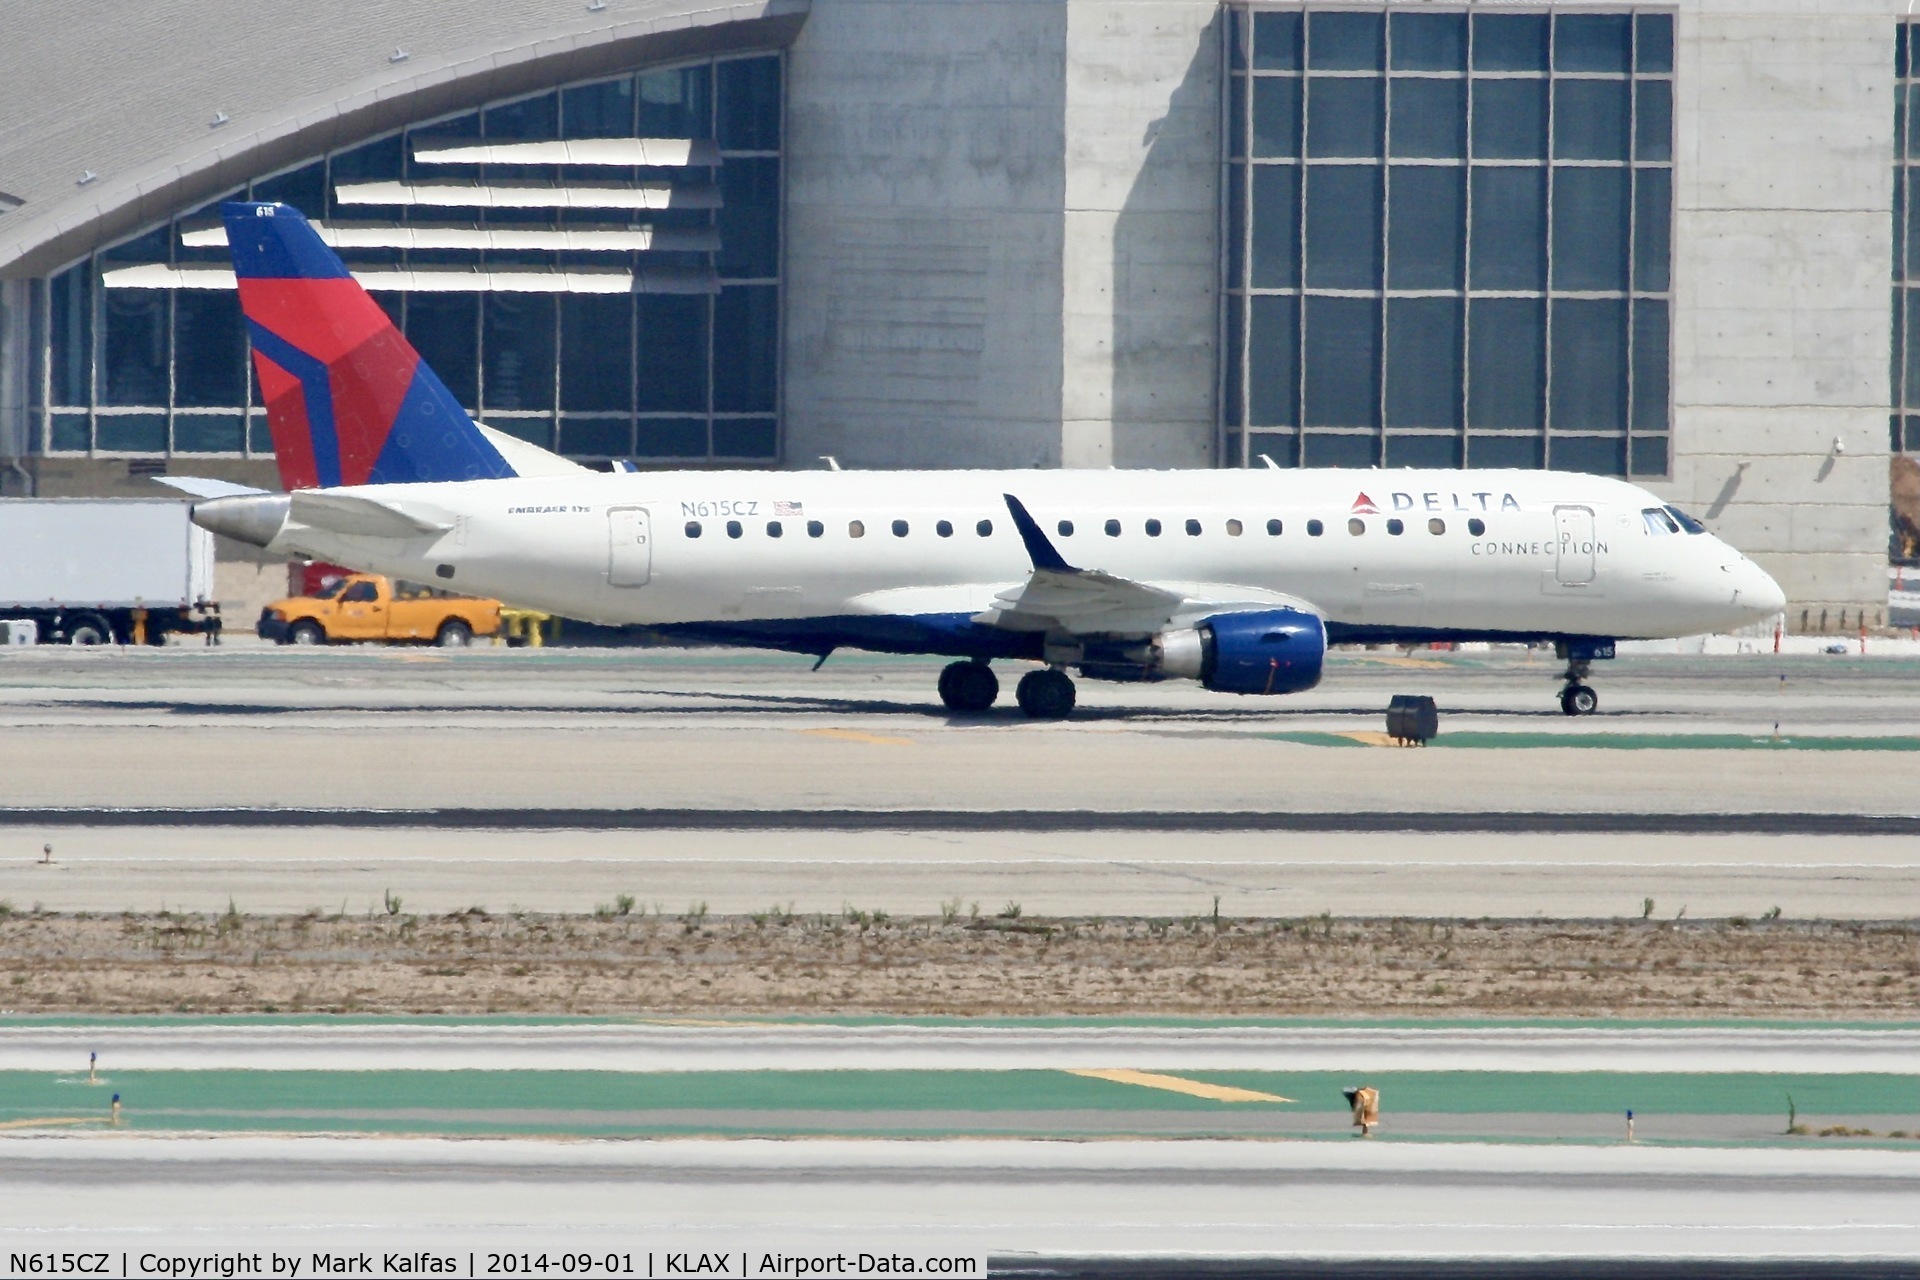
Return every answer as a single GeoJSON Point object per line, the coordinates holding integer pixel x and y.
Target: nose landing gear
{"type": "Point", "coordinates": [1577, 698]}
{"type": "Point", "coordinates": [968, 687]}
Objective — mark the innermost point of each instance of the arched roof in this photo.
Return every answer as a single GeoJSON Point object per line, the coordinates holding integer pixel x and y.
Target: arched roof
{"type": "Point", "coordinates": [167, 105]}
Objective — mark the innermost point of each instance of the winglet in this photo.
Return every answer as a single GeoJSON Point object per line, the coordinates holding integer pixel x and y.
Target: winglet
{"type": "Point", "coordinates": [1043, 553]}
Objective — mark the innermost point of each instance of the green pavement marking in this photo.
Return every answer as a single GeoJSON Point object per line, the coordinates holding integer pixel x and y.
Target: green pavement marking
{"type": "Point", "coordinates": [639, 1103]}
{"type": "Point", "coordinates": [1482, 740]}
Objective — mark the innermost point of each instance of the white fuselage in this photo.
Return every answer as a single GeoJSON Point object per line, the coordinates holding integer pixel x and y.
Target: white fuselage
{"type": "Point", "coordinates": [1522, 553]}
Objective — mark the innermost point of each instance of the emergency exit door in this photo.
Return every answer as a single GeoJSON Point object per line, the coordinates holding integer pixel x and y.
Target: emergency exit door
{"type": "Point", "coordinates": [629, 547]}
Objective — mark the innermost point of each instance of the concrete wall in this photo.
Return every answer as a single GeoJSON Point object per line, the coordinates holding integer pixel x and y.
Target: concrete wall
{"type": "Point", "coordinates": [1782, 261]}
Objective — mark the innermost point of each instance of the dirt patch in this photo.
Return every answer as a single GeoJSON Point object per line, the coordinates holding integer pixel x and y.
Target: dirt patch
{"type": "Point", "coordinates": [784, 964]}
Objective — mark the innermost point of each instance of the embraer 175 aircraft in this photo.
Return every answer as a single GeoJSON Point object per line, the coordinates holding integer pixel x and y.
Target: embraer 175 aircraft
{"type": "Point", "coordinates": [1237, 579]}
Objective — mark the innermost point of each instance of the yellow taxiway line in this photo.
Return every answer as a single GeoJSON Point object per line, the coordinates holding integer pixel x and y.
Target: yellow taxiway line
{"type": "Point", "coordinates": [1175, 1084]}
{"type": "Point", "coordinates": [854, 735]}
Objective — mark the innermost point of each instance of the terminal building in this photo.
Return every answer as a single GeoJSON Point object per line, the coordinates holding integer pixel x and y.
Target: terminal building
{"type": "Point", "coordinates": [1666, 242]}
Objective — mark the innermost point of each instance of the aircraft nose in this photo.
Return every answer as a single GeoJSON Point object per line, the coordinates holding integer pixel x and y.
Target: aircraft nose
{"type": "Point", "coordinates": [1756, 591]}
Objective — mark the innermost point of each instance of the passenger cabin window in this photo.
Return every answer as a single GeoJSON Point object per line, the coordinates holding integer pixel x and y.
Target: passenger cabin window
{"type": "Point", "coordinates": [774, 529]}
{"type": "Point", "coordinates": [856, 529]}
{"type": "Point", "coordinates": [1193, 528]}
{"type": "Point", "coordinates": [815, 528]}
{"type": "Point", "coordinates": [1274, 528]}
{"type": "Point", "coordinates": [1066, 528]}
{"type": "Point", "coordinates": [899, 528]}
{"type": "Point", "coordinates": [1314, 527]}
{"type": "Point", "coordinates": [1153, 528]}
{"type": "Point", "coordinates": [1233, 528]}
{"type": "Point", "coordinates": [1396, 527]}
{"type": "Point", "coordinates": [944, 528]}
{"type": "Point", "coordinates": [1356, 526]}
{"type": "Point", "coordinates": [693, 528]}
{"type": "Point", "coordinates": [1687, 522]}
{"type": "Point", "coordinates": [733, 529]}
{"type": "Point", "coordinates": [1113, 528]}
{"type": "Point", "coordinates": [1436, 525]}
{"type": "Point", "coordinates": [1476, 526]}
{"type": "Point", "coordinates": [984, 528]}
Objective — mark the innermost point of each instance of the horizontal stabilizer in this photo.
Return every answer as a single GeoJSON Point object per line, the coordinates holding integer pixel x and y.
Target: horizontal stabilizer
{"type": "Point", "coordinates": [203, 487]}
{"type": "Point", "coordinates": [367, 517]}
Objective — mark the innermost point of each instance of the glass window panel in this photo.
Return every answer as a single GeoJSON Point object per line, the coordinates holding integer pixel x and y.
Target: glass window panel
{"type": "Point", "coordinates": [1524, 452]}
{"type": "Point", "coordinates": [134, 349]}
{"type": "Point", "coordinates": [70, 330]}
{"type": "Point", "coordinates": [596, 339]}
{"type": "Point", "coordinates": [1276, 226]}
{"type": "Point", "coordinates": [1901, 229]}
{"type": "Point", "coordinates": [151, 247]}
{"type": "Point", "coordinates": [1236, 308]}
{"type": "Point", "coordinates": [745, 438]}
{"type": "Point", "coordinates": [1589, 383]}
{"type": "Point", "coordinates": [1899, 49]}
{"type": "Point", "coordinates": [1647, 456]}
{"type": "Point", "coordinates": [210, 368]}
{"type": "Point", "coordinates": [749, 104]}
{"type": "Point", "coordinates": [1426, 227]}
{"type": "Point", "coordinates": [1911, 444]}
{"type": "Point", "coordinates": [1276, 116]}
{"type": "Point", "coordinates": [517, 344]}
{"type": "Point", "coordinates": [1593, 42]}
{"type": "Point", "coordinates": [1912, 129]}
{"type": "Point", "coordinates": [1653, 120]}
{"type": "Point", "coordinates": [1343, 227]}
{"type": "Point", "coordinates": [1240, 35]}
{"type": "Point", "coordinates": [1342, 364]}
{"type": "Point", "coordinates": [670, 438]}
{"type": "Point", "coordinates": [1429, 41]}
{"type": "Point", "coordinates": [1282, 446]}
{"type": "Point", "coordinates": [1510, 119]}
{"type": "Point", "coordinates": [1423, 451]}
{"type": "Point", "coordinates": [209, 432]}
{"type": "Point", "coordinates": [1898, 363]}
{"type": "Point", "coordinates": [69, 433]}
{"type": "Point", "coordinates": [1509, 229]}
{"type": "Point", "coordinates": [445, 329]}
{"type": "Point", "coordinates": [1425, 349]}
{"type": "Point", "coordinates": [672, 349]}
{"type": "Point", "coordinates": [377, 161]}
{"type": "Point", "coordinates": [1343, 116]}
{"type": "Point", "coordinates": [1590, 208]}
{"type": "Point", "coordinates": [1913, 347]}
{"type": "Point", "coordinates": [1590, 119]}
{"type": "Point", "coordinates": [749, 219]}
{"type": "Point", "coordinates": [1236, 226]}
{"type": "Point", "coordinates": [1273, 362]}
{"type": "Point", "coordinates": [675, 104]}
{"type": "Point", "coordinates": [1276, 41]}
{"type": "Point", "coordinates": [1510, 42]}
{"type": "Point", "coordinates": [1429, 118]}
{"type": "Point", "coordinates": [1506, 362]}
{"type": "Point", "coordinates": [131, 433]}
{"type": "Point", "coordinates": [745, 354]}
{"type": "Point", "coordinates": [1341, 451]}
{"type": "Point", "coordinates": [1653, 213]}
{"type": "Point", "coordinates": [537, 431]}
{"type": "Point", "coordinates": [259, 434]}
{"type": "Point", "coordinates": [1650, 365]}
{"type": "Point", "coordinates": [1655, 36]}
{"type": "Point", "coordinates": [1597, 455]}
{"type": "Point", "coordinates": [603, 110]}
{"type": "Point", "coordinates": [305, 189]}
{"type": "Point", "coordinates": [596, 437]}
{"type": "Point", "coordinates": [533, 119]}
{"type": "Point", "coordinates": [1237, 118]}
{"type": "Point", "coordinates": [1338, 41]}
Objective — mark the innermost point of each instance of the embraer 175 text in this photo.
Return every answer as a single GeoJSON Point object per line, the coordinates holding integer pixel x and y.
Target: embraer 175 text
{"type": "Point", "coordinates": [1237, 579]}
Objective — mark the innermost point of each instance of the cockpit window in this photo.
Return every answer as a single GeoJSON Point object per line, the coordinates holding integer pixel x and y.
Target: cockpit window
{"type": "Point", "coordinates": [1659, 523]}
{"type": "Point", "coordinates": [1687, 522]}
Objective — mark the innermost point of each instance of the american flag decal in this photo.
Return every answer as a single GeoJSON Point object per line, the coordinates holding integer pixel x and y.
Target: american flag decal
{"type": "Point", "coordinates": [788, 510]}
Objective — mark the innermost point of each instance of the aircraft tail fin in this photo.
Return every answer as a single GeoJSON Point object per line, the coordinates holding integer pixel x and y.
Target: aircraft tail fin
{"type": "Point", "coordinates": [349, 401]}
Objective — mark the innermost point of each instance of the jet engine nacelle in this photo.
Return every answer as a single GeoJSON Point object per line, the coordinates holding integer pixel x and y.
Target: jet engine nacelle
{"type": "Point", "coordinates": [1273, 651]}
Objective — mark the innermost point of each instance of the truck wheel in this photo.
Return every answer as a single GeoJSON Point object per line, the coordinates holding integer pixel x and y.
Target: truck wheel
{"type": "Point", "coordinates": [454, 634]}
{"type": "Point", "coordinates": [306, 631]}
{"type": "Point", "coordinates": [89, 628]}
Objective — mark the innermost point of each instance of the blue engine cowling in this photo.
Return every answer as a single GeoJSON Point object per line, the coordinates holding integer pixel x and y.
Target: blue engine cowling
{"type": "Point", "coordinates": [1273, 651]}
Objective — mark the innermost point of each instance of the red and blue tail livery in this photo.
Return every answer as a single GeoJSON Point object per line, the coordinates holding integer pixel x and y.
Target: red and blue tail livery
{"type": "Point", "coordinates": [349, 401]}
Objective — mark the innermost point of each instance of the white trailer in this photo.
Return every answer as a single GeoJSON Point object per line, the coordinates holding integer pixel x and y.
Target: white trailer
{"type": "Point", "coordinates": [103, 571]}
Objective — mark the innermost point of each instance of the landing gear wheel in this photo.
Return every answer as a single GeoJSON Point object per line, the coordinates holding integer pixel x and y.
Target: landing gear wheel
{"type": "Point", "coordinates": [1046, 695]}
{"type": "Point", "coordinates": [454, 634]}
{"type": "Point", "coordinates": [306, 631]}
{"type": "Point", "coordinates": [968, 687]}
{"type": "Point", "coordinates": [88, 629]}
{"type": "Point", "coordinates": [1579, 700]}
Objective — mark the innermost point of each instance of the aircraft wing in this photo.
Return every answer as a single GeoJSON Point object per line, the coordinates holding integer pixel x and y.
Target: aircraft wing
{"type": "Point", "coordinates": [1059, 597]}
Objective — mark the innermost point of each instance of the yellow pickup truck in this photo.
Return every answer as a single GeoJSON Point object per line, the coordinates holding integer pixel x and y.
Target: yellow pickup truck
{"type": "Point", "coordinates": [367, 606]}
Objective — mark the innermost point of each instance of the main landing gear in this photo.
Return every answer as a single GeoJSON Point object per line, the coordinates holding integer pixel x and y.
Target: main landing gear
{"type": "Point", "coordinates": [969, 687]}
{"type": "Point", "coordinates": [1046, 694]}
{"type": "Point", "coordinates": [1578, 697]}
